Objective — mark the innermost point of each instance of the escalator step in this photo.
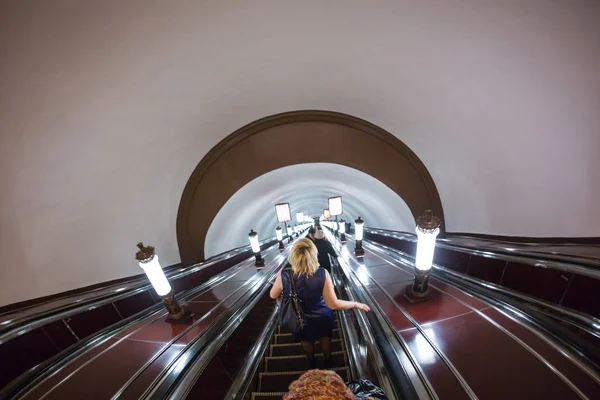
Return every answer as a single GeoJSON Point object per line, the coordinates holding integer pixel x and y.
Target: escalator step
{"type": "Point", "coordinates": [283, 338]}
{"type": "Point", "coordinates": [300, 363]}
{"type": "Point", "coordinates": [335, 326]}
{"type": "Point", "coordinates": [295, 349]}
{"type": "Point", "coordinates": [280, 381]}
{"type": "Point", "coordinates": [267, 396]}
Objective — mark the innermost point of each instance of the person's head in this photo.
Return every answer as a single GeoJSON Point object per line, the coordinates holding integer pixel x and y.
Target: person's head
{"type": "Point", "coordinates": [311, 233]}
{"type": "Point", "coordinates": [303, 257]}
{"type": "Point", "coordinates": [319, 384]}
{"type": "Point", "coordinates": [320, 234]}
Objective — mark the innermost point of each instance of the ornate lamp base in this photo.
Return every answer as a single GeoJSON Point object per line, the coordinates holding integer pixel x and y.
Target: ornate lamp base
{"type": "Point", "coordinates": [419, 290]}
{"type": "Point", "coordinates": [177, 313]}
{"type": "Point", "coordinates": [186, 316]}
{"type": "Point", "coordinates": [259, 260]}
{"type": "Point", "coordinates": [281, 245]}
{"type": "Point", "coordinates": [343, 239]}
{"type": "Point", "coordinates": [415, 297]}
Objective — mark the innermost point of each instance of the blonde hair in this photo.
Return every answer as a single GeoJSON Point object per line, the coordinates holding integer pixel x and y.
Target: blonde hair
{"type": "Point", "coordinates": [303, 257]}
{"type": "Point", "coordinates": [318, 384]}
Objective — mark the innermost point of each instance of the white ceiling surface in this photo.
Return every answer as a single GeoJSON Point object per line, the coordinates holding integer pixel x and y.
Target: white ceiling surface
{"type": "Point", "coordinates": [106, 107]}
{"type": "Point", "coordinates": [306, 187]}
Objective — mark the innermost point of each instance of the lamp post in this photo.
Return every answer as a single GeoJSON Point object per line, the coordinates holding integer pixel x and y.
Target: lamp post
{"type": "Point", "coordinates": [342, 227]}
{"type": "Point", "coordinates": [358, 236]}
{"type": "Point", "coordinates": [428, 227]}
{"type": "Point", "coordinates": [279, 235]}
{"type": "Point", "coordinates": [253, 236]}
{"type": "Point", "coordinates": [148, 261]}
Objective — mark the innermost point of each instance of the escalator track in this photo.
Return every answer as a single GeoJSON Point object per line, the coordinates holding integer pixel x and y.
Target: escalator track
{"type": "Point", "coordinates": [286, 361]}
{"type": "Point", "coordinates": [127, 361]}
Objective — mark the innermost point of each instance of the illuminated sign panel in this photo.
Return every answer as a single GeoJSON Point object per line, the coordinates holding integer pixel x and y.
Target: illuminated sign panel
{"type": "Point", "coordinates": [283, 212]}
{"type": "Point", "coordinates": [335, 205]}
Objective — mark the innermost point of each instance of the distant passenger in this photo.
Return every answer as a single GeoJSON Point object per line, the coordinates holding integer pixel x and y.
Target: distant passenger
{"type": "Point", "coordinates": [315, 289]}
{"type": "Point", "coordinates": [325, 249]}
{"type": "Point", "coordinates": [311, 234]}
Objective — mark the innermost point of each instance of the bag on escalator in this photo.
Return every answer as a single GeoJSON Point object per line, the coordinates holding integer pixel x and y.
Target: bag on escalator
{"type": "Point", "coordinates": [292, 317]}
{"type": "Point", "coordinates": [365, 389]}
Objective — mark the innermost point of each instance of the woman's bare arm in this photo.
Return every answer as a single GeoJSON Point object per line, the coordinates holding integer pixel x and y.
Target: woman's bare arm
{"type": "Point", "coordinates": [277, 287]}
{"type": "Point", "coordinates": [333, 302]}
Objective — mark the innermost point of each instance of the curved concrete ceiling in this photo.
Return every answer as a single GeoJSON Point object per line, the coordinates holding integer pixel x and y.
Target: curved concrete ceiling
{"type": "Point", "coordinates": [306, 187]}
{"type": "Point", "coordinates": [106, 107]}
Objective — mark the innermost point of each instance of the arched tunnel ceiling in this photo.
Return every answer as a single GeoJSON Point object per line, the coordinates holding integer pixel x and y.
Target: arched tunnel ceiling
{"type": "Point", "coordinates": [306, 187]}
{"type": "Point", "coordinates": [107, 106]}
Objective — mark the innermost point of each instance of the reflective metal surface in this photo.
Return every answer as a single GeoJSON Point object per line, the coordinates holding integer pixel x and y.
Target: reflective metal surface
{"type": "Point", "coordinates": [580, 320]}
{"type": "Point", "coordinates": [566, 264]}
{"type": "Point", "coordinates": [400, 352]}
{"type": "Point", "coordinates": [18, 322]}
{"type": "Point", "coordinates": [179, 378]}
{"type": "Point", "coordinates": [32, 379]}
{"type": "Point", "coordinates": [244, 379]}
{"type": "Point", "coordinates": [514, 314]}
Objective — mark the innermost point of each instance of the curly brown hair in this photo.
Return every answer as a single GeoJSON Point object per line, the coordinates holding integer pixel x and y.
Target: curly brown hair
{"type": "Point", "coordinates": [319, 385]}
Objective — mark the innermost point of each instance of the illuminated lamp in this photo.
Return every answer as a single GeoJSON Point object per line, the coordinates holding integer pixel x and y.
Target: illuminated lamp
{"type": "Point", "coordinates": [428, 227]}
{"type": "Point", "coordinates": [342, 228]}
{"type": "Point", "coordinates": [358, 236]}
{"type": "Point", "coordinates": [148, 261]}
{"type": "Point", "coordinates": [253, 237]}
{"type": "Point", "coordinates": [279, 234]}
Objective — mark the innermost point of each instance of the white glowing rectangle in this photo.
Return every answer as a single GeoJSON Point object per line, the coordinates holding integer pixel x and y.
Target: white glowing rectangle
{"type": "Point", "coordinates": [283, 212]}
{"type": "Point", "coordinates": [358, 230]}
{"type": "Point", "coordinates": [156, 276]}
{"type": "Point", "coordinates": [342, 227]}
{"type": "Point", "coordinates": [299, 217]}
{"type": "Point", "coordinates": [335, 206]}
{"type": "Point", "coordinates": [279, 233]}
{"type": "Point", "coordinates": [254, 243]}
{"type": "Point", "coordinates": [425, 249]}
{"type": "Point", "coordinates": [289, 231]}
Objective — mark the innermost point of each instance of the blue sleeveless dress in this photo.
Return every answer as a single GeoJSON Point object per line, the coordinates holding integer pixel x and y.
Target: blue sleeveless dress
{"type": "Point", "coordinates": [320, 319]}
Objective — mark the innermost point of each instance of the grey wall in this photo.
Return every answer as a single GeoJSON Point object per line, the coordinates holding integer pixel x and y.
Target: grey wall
{"type": "Point", "coordinates": [106, 107]}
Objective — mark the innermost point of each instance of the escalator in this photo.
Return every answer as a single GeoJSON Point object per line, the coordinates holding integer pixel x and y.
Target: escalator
{"type": "Point", "coordinates": [252, 366]}
{"type": "Point", "coordinates": [119, 358]}
{"type": "Point", "coordinates": [285, 362]}
{"type": "Point", "coordinates": [235, 350]}
{"type": "Point", "coordinates": [41, 333]}
{"type": "Point", "coordinates": [562, 299]}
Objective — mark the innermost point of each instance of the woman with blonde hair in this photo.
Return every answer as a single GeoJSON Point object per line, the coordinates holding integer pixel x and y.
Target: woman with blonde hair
{"type": "Point", "coordinates": [315, 289]}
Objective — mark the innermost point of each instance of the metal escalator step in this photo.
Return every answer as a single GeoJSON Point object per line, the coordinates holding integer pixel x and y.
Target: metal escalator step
{"type": "Point", "coordinates": [300, 363]}
{"type": "Point", "coordinates": [295, 349]}
{"type": "Point", "coordinates": [335, 326]}
{"type": "Point", "coordinates": [282, 338]}
{"type": "Point", "coordinates": [267, 396]}
{"type": "Point", "coordinates": [280, 381]}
